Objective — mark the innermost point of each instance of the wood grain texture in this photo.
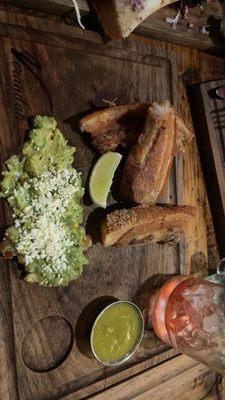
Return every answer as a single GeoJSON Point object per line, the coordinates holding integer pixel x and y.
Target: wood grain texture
{"type": "Point", "coordinates": [191, 190]}
{"type": "Point", "coordinates": [209, 109]}
{"type": "Point", "coordinates": [178, 378]}
{"type": "Point", "coordinates": [8, 376]}
{"type": "Point", "coordinates": [154, 26]}
{"type": "Point", "coordinates": [50, 43]}
{"type": "Point", "coordinates": [90, 73]}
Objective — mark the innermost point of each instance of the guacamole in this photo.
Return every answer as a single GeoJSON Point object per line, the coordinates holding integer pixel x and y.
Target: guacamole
{"type": "Point", "coordinates": [44, 192]}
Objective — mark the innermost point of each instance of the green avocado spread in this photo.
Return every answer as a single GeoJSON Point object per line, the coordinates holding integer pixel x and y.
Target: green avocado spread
{"type": "Point", "coordinates": [116, 332]}
{"type": "Point", "coordinates": [44, 192]}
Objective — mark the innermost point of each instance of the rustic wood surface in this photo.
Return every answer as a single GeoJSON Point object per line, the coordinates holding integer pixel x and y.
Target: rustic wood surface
{"type": "Point", "coordinates": [210, 110]}
{"type": "Point", "coordinates": [154, 26]}
{"type": "Point", "coordinates": [179, 378]}
{"type": "Point", "coordinates": [176, 65]}
{"type": "Point", "coordinates": [81, 75]}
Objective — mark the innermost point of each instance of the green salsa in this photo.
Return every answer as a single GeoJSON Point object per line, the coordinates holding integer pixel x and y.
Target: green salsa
{"type": "Point", "coordinates": [44, 192]}
{"type": "Point", "coordinates": [116, 332]}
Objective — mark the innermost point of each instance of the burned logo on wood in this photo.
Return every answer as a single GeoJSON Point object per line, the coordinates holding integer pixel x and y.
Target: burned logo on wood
{"type": "Point", "coordinates": [23, 63]}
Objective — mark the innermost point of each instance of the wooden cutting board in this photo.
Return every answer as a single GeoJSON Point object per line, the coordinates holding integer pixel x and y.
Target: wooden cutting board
{"type": "Point", "coordinates": [209, 119]}
{"type": "Point", "coordinates": [55, 69]}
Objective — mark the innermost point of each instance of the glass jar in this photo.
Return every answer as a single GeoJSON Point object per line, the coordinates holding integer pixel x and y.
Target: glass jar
{"type": "Point", "coordinates": [188, 313]}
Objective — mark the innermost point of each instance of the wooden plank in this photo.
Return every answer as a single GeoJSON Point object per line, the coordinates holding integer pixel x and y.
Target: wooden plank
{"type": "Point", "coordinates": [59, 7]}
{"type": "Point", "coordinates": [8, 377]}
{"type": "Point", "coordinates": [186, 64]}
{"type": "Point", "coordinates": [178, 378]}
{"type": "Point", "coordinates": [211, 141]}
{"type": "Point", "coordinates": [112, 380]}
{"type": "Point", "coordinates": [194, 67]}
{"type": "Point", "coordinates": [154, 26]}
{"type": "Point", "coordinates": [95, 72]}
{"type": "Point", "coordinates": [214, 70]}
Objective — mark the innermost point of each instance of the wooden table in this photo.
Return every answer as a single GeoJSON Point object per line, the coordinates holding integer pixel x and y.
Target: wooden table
{"type": "Point", "coordinates": [154, 26]}
{"type": "Point", "coordinates": [179, 378]}
{"type": "Point", "coordinates": [187, 377]}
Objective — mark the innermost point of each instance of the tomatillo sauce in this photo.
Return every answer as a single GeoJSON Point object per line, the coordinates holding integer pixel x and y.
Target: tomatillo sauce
{"type": "Point", "coordinates": [116, 332]}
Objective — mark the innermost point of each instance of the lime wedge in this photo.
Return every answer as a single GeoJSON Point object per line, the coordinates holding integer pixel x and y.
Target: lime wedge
{"type": "Point", "coordinates": [102, 177]}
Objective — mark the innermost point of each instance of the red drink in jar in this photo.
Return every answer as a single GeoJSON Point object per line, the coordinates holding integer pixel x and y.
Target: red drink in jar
{"type": "Point", "coordinates": [189, 314]}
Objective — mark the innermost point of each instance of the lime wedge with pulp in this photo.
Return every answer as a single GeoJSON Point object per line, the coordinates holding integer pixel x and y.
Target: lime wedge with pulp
{"type": "Point", "coordinates": [102, 177]}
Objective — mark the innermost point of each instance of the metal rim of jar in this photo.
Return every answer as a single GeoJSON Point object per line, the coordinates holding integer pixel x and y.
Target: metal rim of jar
{"type": "Point", "coordinates": [134, 348]}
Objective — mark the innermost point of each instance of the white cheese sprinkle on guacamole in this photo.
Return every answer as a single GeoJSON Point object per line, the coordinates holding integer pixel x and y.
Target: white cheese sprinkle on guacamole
{"type": "Point", "coordinates": [44, 191]}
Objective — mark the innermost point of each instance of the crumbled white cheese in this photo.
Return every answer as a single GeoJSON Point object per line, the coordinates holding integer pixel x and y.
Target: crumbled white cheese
{"type": "Point", "coordinates": [26, 185]}
{"type": "Point", "coordinates": [42, 235]}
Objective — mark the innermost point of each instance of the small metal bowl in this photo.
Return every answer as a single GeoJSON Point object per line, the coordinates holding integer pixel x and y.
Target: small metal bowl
{"type": "Point", "coordinates": [134, 348]}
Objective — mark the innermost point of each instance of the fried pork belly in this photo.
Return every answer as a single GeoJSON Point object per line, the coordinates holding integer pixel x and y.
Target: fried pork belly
{"type": "Point", "coordinates": [127, 225]}
{"type": "Point", "coordinates": [120, 125]}
{"type": "Point", "coordinates": [150, 160]}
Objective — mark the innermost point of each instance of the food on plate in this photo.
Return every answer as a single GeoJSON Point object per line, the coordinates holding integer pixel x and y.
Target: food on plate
{"type": "Point", "coordinates": [117, 332]}
{"type": "Point", "coordinates": [136, 223]}
{"type": "Point", "coordinates": [44, 192]}
{"type": "Point", "coordinates": [150, 160]}
{"type": "Point", "coordinates": [111, 127]}
{"type": "Point", "coordinates": [102, 177]}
